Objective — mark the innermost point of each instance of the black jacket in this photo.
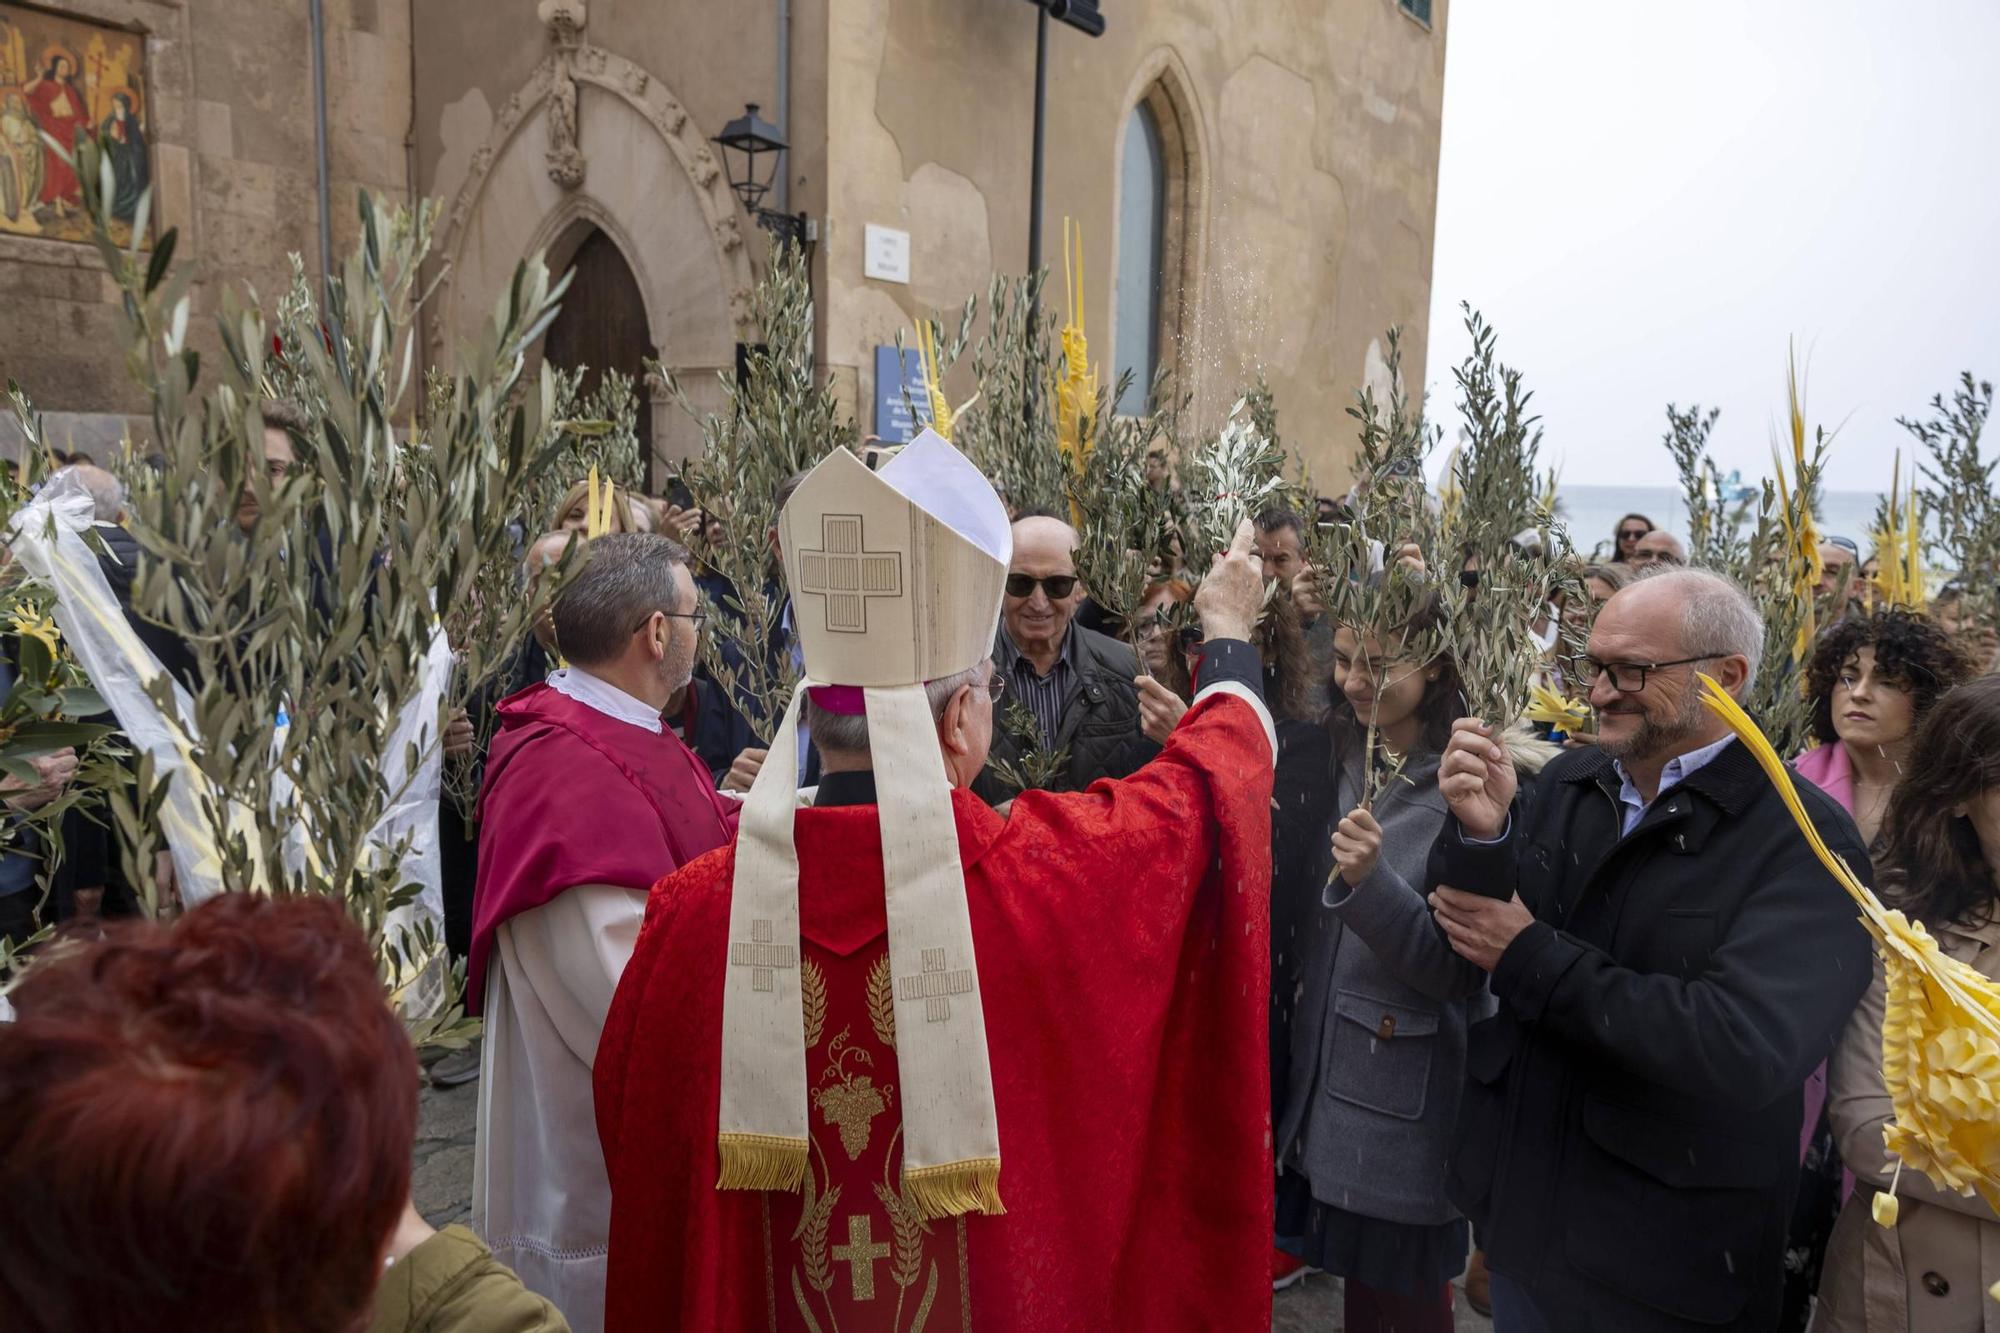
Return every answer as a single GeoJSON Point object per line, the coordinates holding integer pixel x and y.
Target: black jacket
{"type": "Point", "coordinates": [1629, 1140]}
{"type": "Point", "coordinates": [1100, 722]}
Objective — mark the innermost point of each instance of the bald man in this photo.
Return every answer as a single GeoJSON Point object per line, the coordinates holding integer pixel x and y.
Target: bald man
{"type": "Point", "coordinates": [1075, 684]}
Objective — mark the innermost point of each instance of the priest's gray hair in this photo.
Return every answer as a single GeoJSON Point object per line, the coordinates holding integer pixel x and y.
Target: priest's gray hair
{"type": "Point", "coordinates": [847, 733]}
{"type": "Point", "coordinates": [621, 579]}
{"type": "Point", "coordinates": [1716, 616]}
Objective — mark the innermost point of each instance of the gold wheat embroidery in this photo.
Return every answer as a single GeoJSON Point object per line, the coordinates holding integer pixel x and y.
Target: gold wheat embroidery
{"type": "Point", "coordinates": [907, 1234]}
{"type": "Point", "coordinates": [818, 1261]}
{"type": "Point", "coordinates": [812, 992]}
{"type": "Point", "coordinates": [924, 1306]}
{"type": "Point", "coordinates": [881, 1002]}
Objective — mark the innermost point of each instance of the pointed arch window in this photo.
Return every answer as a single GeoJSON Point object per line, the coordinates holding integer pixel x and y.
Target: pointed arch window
{"type": "Point", "coordinates": [1141, 242]}
{"type": "Point", "coordinates": [1158, 192]}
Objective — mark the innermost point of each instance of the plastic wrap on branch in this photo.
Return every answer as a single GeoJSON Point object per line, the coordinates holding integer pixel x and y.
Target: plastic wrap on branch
{"type": "Point", "coordinates": [1941, 1028]}
{"type": "Point", "coordinates": [46, 538]}
{"type": "Point", "coordinates": [306, 595]}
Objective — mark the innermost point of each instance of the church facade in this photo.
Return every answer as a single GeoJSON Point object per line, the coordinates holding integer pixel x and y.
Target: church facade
{"type": "Point", "coordinates": [1254, 180]}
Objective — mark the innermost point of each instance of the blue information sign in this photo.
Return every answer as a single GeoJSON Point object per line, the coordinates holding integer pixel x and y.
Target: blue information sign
{"type": "Point", "coordinates": [895, 423]}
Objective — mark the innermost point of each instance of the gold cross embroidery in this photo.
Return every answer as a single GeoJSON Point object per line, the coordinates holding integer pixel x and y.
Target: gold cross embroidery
{"type": "Point", "coordinates": [761, 956]}
{"type": "Point", "coordinates": [860, 1254]}
{"type": "Point", "coordinates": [847, 575]}
{"type": "Point", "coordinates": [935, 986]}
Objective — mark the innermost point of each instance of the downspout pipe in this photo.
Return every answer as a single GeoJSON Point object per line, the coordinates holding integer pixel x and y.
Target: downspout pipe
{"type": "Point", "coordinates": [317, 14]}
{"type": "Point", "coordinates": [784, 103]}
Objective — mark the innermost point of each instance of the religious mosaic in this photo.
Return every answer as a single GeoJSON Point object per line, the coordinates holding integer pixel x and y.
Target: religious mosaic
{"type": "Point", "coordinates": [61, 77]}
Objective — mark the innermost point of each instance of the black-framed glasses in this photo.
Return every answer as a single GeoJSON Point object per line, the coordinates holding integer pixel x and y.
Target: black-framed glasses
{"type": "Point", "coordinates": [1633, 534]}
{"type": "Point", "coordinates": [1057, 586]}
{"type": "Point", "coordinates": [1628, 677]}
{"type": "Point", "coordinates": [699, 618]}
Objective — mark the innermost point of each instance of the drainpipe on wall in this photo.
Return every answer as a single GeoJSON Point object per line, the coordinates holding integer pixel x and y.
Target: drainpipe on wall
{"type": "Point", "coordinates": [415, 200]}
{"type": "Point", "coordinates": [317, 14]}
{"type": "Point", "coordinates": [784, 107]}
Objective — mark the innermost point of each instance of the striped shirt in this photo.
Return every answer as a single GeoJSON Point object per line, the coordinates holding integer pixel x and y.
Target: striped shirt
{"type": "Point", "coordinates": [1045, 696]}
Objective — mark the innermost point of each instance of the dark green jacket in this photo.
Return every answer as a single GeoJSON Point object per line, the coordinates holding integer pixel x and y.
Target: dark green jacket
{"type": "Point", "coordinates": [452, 1284]}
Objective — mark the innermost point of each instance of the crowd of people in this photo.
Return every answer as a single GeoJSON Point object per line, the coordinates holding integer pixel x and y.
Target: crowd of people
{"type": "Point", "coordinates": [1576, 1015]}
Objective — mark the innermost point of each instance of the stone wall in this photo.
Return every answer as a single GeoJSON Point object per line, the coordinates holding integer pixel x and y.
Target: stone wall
{"type": "Point", "coordinates": [1312, 127]}
{"type": "Point", "coordinates": [232, 127]}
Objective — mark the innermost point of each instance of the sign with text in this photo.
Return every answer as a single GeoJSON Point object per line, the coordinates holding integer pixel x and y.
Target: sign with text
{"type": "Point", "coordinates": [902, 407]}
{"type": "Point", "coordinates": [886, 254]}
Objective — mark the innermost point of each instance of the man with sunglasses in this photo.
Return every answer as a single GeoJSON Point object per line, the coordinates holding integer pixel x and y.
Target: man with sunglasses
{"type": "Point", "coordinates": [588, 798]}
{"type": "Point", "coordinates": [1076, 684]}
{"type": "Point", "coordinates": [1670, 961]}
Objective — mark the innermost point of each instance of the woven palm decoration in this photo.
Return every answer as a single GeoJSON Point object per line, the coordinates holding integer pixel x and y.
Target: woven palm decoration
{"type": "Point", "coordinates": [1941, 1029]}
{"type": "Point", "coordinates": [1076, 391]}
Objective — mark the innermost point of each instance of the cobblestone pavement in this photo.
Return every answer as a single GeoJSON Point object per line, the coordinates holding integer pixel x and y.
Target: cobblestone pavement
{"type": "Point", "coordinates": [442, 1184]}
{"type": "Point", "coordinates": [442, 1188]}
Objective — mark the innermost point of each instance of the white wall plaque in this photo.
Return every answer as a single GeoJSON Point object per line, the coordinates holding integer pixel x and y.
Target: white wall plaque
{"type": "Point", "coordinates": [886, 254]}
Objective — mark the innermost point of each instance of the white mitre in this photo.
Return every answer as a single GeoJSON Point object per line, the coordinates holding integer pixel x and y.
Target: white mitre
{"type": "Point", "coordinates": [896, 579]}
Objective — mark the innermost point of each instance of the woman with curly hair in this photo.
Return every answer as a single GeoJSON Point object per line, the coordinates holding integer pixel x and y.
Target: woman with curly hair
{"type": "Point", "coordinates": [1871, 679]}
{"type": "Point", "coordinates": [1940, 863]}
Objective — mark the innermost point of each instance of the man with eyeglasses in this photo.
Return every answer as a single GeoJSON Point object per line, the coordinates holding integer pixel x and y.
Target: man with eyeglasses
{"type": "Point", "coordinates": [1670, 962]}
{"type": "Point", "coordinates": [1076, 684]}
{"type": "Point", "coordinates": [588, 798]}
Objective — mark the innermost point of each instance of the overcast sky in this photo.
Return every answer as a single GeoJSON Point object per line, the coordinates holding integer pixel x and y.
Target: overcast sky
{"type": "Point", "coordinates": [1647, 200]}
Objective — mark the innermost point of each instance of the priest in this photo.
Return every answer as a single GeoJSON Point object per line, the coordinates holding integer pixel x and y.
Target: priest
{"type": "Point", "coordinates": [899, 1062]}
{"type": "Point", "coordinates": [588, 798]}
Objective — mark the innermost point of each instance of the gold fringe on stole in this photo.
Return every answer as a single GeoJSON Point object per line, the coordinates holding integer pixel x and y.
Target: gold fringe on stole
{"type": "Point", "coordinates": [762, 1162]}
{"type": "Point", "coordinates": [971, 1186]}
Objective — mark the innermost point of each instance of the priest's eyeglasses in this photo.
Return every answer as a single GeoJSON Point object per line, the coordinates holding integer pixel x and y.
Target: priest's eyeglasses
{"type": "Point", "coordinates": [996, 685]}
{"type": "Point", "coordinates": [699, 618]}
{"type": "Point", "coordinates": [1628, 677]}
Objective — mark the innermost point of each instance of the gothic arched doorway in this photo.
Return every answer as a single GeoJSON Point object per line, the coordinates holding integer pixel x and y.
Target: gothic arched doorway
{"type": "Point", "coordinates": [602, 326]}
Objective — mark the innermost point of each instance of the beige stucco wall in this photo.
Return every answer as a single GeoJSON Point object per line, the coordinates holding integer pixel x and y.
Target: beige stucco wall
{"type": "Point", "coordinates": [231, 123]}
{"type": "Point", "coordinates": [1315, 126]}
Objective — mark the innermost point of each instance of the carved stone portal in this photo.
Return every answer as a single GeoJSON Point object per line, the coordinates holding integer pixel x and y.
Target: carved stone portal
{"type": "Point", "coordinates": [565, 20]}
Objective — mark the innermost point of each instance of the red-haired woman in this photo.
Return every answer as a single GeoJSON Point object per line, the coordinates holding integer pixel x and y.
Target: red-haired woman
{"type": "Point", "coordinates": [209, 1126]}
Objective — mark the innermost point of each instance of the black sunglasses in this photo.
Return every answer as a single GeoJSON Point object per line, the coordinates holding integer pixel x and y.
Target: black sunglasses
{"type": "Point", "coordinates": [1633, 533]}
{"type": "Point", "coordinates": [1057, 586]}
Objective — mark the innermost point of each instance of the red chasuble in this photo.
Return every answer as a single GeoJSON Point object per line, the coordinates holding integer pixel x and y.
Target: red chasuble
{"type": "Point", "coordinates": [1122, 941]}
{"type": "Point", "coordinates": [574, 797]}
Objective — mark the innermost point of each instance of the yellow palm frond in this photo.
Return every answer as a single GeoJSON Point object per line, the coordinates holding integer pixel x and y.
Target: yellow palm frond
{"type": "Point", "coordinates": [25, 622]}
{"type": "Point", "coordinates": [597, 509]}
{"type": "Point", "coordinates": [1899, 547]}
{"type": "Point", "coordinates": [1545, 705]}
{"type": "Point", "coordinates": [1941, 1030]}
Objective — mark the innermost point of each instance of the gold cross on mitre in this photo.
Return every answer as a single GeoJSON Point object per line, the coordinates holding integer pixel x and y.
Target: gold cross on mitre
{"type": "Point", "coordinates": [844, 572]}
